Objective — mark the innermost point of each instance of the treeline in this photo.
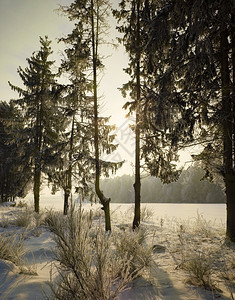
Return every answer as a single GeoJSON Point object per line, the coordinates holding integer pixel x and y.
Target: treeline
{"type": "Point", "coordinates": [189, 188]}
{"type": "Point", "coordinates": [181, 91]}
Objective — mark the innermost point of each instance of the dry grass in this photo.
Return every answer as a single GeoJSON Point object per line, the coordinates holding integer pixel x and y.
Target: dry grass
{"type": "Point", "coordinates": [199, 269]}
{"type": "Point", "coordinates": [90, 265]}
{"type": "Point", "coordinates": [228, 275]}
{"type": "Point", "coordinates": [12, 250]}
{"type": "Point", "coordinates": [146, 214]}
{"type": "Point", "coordinates": [204, 257]}
{"type": "Point", "coordinates": [23, 217]}
{"type": "Point", "coordinates": [132, 245]}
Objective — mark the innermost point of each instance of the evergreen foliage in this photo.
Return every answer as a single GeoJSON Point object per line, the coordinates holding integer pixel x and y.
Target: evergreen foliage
{"type": "Point", "coordinates": [83, 64]}
{"type": "Point", "coordinates": [190, 57]}
{"type": "Point", "coordinates": [38, 103]}
{"type": "Point", "coordinates": [152, 142]}
{"type": "Point", "coordinates": [129, 14]}
{"type": "Point", "coordinates": [75, 158]}
{"type": "Point", "coordinates": [15, 173]}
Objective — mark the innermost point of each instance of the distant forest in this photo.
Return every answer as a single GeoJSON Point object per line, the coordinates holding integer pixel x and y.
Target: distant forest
{"type": "Point", "coordinates": [189, 188]}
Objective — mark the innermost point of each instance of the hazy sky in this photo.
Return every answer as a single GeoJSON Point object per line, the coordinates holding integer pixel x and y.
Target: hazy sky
{"type": "Point", "coordinates": [21, 24]}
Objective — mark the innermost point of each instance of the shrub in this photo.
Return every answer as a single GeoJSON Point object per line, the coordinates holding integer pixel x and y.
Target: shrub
{"type": "Point", "coordinates": [228, 274]}
{"type": "Point", "coordinates": [11, 248]}
{"type": "Point", "coordinates": [88, 268]}
{"type": "Point", "coordinates": [22, 204]}
{"type": "Point", "coordinates": [131, 245]}
{"type": "Point", "coordinates": [199, 268]}
{"type": "Point", "coordinates": [202, 226]}
{"type": "Point", "coordinates": [23, 217]}
{"type": "Point", "coordinates": [4, 221]}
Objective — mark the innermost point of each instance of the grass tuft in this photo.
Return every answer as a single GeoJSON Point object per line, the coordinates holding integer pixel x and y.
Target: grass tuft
{"type": "Point", "coordinates": [12, 250]}
{"type": "Point", "coordinates": [89, 263]}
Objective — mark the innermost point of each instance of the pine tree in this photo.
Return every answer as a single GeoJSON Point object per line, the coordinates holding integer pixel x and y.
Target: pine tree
{"type": "Point", "coordinates": [191, 56]}
{"type": "Point", "coordinates": [39, 105]}
{"type": "Point", "coordinates": [85, 40]}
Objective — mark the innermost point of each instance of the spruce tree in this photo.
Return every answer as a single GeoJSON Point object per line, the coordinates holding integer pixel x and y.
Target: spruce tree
{"type": "Point", "coordinates": [77, 111]}
{"type": "Point", "coordinates": [39, 105]}
{"type": "Point", "coordinates": [134, 18]}
{"type": "Point", "coordinates": [190, 54]}
{"type": "Point", "coordinates": [129, 14]}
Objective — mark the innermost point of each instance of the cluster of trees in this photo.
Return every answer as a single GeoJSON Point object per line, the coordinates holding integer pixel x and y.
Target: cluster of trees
{"type": "Point", "coordinates": [181, 90]}
{"type": "Point", "coordinates": [61, 135]}
{"type": "Point", "coordinates": [182, 86]}
{"type": "Point", "coordinates": [189, 188]}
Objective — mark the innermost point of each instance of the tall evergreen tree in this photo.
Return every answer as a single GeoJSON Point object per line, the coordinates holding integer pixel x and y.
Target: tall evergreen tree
{"type": "Point", "coordinates": [190, 55]}
{"type": "Point", "coordinates": [78, 110]}
{"type": "Point", "coordinates": [39, 105]}
{"type": "Point", "coordinates": [129, 14]}
{"type": "Point", "coordinates": [134, 17]}
{"type": "Point", "coordinates": [85, 40]}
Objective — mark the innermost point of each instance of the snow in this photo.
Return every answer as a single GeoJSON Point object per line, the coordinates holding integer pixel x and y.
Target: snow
{"type": "Point", "coordinates": [165, 279]}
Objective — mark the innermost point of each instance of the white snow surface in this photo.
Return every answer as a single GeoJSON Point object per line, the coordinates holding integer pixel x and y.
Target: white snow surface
{"type": "Point", "coordinates": [164, 281]}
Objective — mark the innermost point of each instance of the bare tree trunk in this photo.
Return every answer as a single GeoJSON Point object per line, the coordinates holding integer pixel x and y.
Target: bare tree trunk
{"type": "Point", "coordinates": [227, 124]}
{"type": "Point", "coordinates": [37, 158]}
{"type": "Point", "coordinates": [103, 200]}
{"type": "Point", "coordinates": [230, 141]}
{"type": "Point", "coordinates": [137, 184]}
{"type": "Point", "coordinates": [36, 187]}
{"type": "Point", "coordinates": [233, 68]}
{"type": "Point", "coordinates": [68, 189]}
{"type": "Point", "coordinates": [66, 201]}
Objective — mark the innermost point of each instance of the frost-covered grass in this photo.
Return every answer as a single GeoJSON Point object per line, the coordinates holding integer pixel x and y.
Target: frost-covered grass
{"type": "Point", "coordinates": [21, 216]}
{"type": "Point", "coordinates": [93, 264]}
{"type": "Point", "coordinates": [12, 250]}
{"type": "Point", "coordinates": [200, 254]}
{"type": "Point", "coordinates": [165, 256]}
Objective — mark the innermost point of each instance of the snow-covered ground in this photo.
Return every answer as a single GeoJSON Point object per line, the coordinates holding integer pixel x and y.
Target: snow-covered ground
{"type": "Point", "coordinates": [197, 237]}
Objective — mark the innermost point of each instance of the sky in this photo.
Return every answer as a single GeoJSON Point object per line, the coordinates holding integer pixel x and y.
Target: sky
{"type": "Point", "coordinates": [21, 24]}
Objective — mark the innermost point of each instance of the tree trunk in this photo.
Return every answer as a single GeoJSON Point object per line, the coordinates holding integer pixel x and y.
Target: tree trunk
{"type": "Point", "coordinates": [137, 184]}
{"type": "Point", "coordinates": [37, 158]}
{"type": "Point", "coordinates": [233, 80]}
{"type": "Point", "coordinates": [103, 200]}
{"type": "Point", "coordinates": [66, 201]}
{"type": "Point", "coordinates": [36, 187]}
{"type": "Point", "coordinates": [68, 189]}
{"type": "Point", "coordinates": [227, 124]}
{"type": "Point", "coordinates": [230, 175]}
{"type": "Point", "coordinates": [230, 195]}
